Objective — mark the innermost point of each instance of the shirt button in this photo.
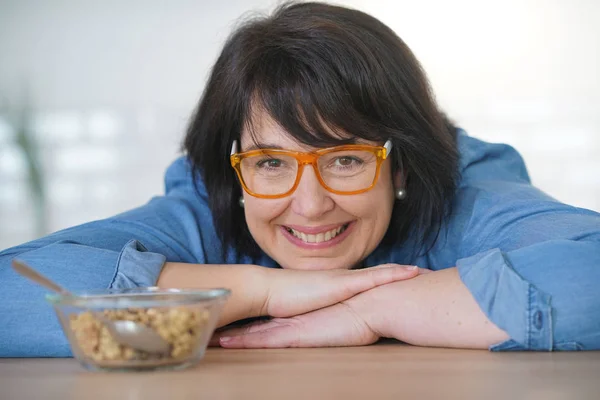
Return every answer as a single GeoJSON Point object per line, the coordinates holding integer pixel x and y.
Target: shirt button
{"type": "Point", "coordinates": [537, 320]}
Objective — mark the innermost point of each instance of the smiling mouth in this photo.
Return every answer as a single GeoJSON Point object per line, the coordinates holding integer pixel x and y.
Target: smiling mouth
{"type": "Point", "coordinates": [319, 237]}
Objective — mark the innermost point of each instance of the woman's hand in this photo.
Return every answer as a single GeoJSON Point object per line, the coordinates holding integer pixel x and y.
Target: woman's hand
{"type": "Point", "coordinates": [291, 292]}
{"type": "Point", "coordinates": [337, 325]}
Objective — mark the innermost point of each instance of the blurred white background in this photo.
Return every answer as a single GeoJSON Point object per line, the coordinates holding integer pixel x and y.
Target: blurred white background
{"type": "Point", "coordinates": [106, 88]}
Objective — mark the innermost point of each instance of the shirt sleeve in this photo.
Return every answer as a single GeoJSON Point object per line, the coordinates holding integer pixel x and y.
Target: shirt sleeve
{"type": "Point", "coordinates": [531, 262]}
{"type": "Point", "coordinates": [125, 251]}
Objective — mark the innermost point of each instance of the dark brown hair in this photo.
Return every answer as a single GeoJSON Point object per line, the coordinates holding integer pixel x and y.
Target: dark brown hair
{"type": "Point", "coordinates": [310, 64]}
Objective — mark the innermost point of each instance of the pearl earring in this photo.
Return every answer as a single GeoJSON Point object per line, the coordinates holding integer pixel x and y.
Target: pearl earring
{"type": "Point", "coordinates": [401, 194]}
{"type": "Point", "coordinates": [241, 201]}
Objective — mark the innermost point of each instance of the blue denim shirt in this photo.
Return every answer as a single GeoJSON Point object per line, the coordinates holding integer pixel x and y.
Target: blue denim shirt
{"type": "Point", "coordinates": [531, 262]}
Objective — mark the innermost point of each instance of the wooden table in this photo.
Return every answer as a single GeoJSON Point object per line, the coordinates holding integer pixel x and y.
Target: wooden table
{"type": "Point", "coordinates": [381, 371]}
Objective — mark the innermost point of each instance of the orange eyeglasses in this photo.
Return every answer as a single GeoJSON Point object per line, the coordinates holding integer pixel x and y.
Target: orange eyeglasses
{"type": "Point", "coordinates": [275, 173]}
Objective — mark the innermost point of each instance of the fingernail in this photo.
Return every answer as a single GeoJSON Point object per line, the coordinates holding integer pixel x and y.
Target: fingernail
{"type": "Point", "coordinates": [411, 268]}
{"type": "Point", "coordinates": [224, 339]}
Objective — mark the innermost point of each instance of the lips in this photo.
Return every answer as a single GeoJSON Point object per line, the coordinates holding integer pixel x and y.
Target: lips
{"type": "Point", "coordinates": [320, 237]}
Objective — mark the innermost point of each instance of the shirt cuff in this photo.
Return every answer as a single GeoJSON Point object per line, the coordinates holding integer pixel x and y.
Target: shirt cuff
{"type": "Point", "coordinates": [137, 267]}
{"type": "Point", "coordinates": [510, 302]}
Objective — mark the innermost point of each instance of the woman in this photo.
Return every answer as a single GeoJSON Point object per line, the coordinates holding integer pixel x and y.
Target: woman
{"type": "Point", "coordinates": [344, 172]}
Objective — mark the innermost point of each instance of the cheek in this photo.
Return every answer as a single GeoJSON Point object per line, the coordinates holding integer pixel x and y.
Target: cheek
{"type": "Point", "coordinates": [376, 205]}
{"type": "Point", "coordinates": [260, 212]}
{"type": "Point", "coordinates": [373, 207]}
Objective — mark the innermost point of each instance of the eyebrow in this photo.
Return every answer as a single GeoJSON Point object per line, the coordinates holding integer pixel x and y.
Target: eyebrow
{"type": "Point", "coordinates": [262, 146]}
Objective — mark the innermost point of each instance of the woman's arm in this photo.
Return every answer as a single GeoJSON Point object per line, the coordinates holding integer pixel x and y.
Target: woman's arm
{"type": "Point", "coordinates": [434, 309]}
{"type": "Point", "coordinates": [258, 291]}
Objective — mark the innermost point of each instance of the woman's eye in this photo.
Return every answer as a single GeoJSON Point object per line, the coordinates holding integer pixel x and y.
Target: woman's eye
{"type": "Point", "coordinates": [269, 163]}
{"type": "Point", "coordinates": [346, 161]}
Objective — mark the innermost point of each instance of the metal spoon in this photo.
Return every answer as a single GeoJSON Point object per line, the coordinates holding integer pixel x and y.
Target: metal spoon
{"type": "Point", "coordinates": [128, 333]}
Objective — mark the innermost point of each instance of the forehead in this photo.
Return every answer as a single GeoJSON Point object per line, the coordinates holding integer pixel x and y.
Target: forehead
{"type": "Point", "coordinates": [262, 131]}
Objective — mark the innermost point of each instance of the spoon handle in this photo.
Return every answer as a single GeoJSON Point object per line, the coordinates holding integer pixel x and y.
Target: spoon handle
{"type": "Point", "coordinates": [35, 276]}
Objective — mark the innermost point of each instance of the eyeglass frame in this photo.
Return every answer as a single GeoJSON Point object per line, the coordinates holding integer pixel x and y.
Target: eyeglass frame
{"type": "Point", "coordinates": [380, 152]}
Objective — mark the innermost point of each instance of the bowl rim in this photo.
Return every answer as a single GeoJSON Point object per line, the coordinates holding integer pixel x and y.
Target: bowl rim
{"type": "Point", "coordinates": [140, 297]}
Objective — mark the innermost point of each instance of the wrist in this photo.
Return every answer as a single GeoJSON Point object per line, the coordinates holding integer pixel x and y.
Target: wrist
{"type": "Point", "coordinates": [248, 285]}
{"type": "Point", "coordinates": [370, 307]}
{"type": "Point", "coordinates": [249, 290]}
{"type": "Point", "coordinates": [257, 281]}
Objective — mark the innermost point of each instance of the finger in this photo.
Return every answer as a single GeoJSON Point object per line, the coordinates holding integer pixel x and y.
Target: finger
{"type": "Point", "coordinates": [387, 265]}
{"type": "Point", "coordinates": [362, 280]}
{"type": "Point", "coordinates": [331, 326]}
{"type": "Point", "coordinates": [249, 328]}
{"type": "Point", "coordinates": [422, 271]}
{"type": "Point", "coordinates": [275, 337]}
{"type": "Point", "coordinates": [214, 341]}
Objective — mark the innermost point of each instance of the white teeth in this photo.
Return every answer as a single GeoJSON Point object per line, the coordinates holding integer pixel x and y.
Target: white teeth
{"type": "Point", "coordinates": [320, 237]}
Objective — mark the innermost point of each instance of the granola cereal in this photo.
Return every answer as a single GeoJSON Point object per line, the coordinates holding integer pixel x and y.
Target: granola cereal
{"type": "Point", "coordinates": [180, 327]}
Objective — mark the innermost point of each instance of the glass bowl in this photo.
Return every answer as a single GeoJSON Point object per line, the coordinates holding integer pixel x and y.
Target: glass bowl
{"type": "Point", "coordinates": [185, 318]}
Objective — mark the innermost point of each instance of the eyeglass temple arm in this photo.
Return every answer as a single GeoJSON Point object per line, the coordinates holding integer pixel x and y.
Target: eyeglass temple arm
{"type": "Point", "coordinates": [388, 147]}
{"type": "Point", "coordinates": [233, 147]}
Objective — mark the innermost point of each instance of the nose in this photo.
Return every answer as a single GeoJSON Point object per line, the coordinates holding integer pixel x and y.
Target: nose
{"type": "Point", "coordinates": [310, 199]}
